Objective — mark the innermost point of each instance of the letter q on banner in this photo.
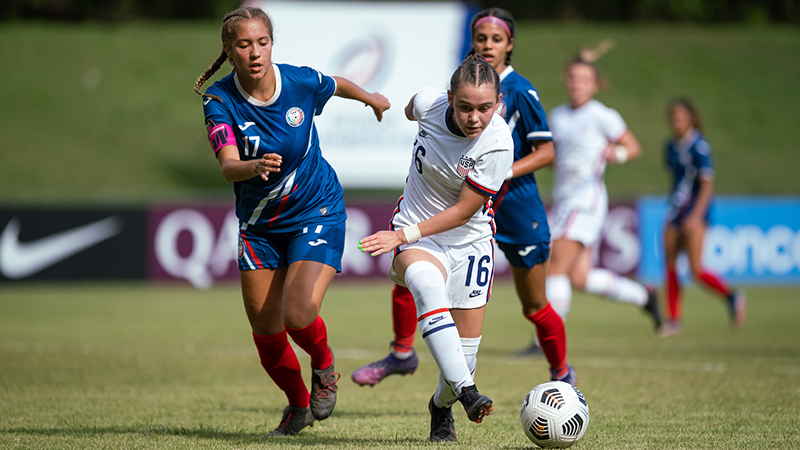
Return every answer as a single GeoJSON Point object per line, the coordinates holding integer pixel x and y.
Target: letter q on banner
{"type": "Point", "coordinates": [194, 266]}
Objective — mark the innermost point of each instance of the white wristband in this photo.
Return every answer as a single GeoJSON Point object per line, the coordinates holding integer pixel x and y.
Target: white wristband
{"type": "Point", "coordinates": [510, 174]}
{"type": "Point", "coordinates": [412, 233]}
{"type": "Point", "coordinates": [621, 153]}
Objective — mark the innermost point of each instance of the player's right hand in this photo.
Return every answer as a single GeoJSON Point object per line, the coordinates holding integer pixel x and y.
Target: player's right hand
{"type": "Point", "coordinates": [270, 162]}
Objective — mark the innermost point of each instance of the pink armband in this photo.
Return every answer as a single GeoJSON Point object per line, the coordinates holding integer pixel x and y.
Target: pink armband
{"type": "Point", "coordinates": [220, 135]}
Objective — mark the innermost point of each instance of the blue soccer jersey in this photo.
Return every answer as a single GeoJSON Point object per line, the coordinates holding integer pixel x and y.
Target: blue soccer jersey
{"type": "Point", "coordinates": [306, 190]}
{"type": "Point", "coordinates": [519, 211]}
{"type": "Point", "coordinates": [690, 161]}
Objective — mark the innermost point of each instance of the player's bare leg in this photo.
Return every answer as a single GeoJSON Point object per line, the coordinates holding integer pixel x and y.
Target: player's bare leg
{"type": "Point", "coordinates": [735, 299]}
{"type": "Point", "coordinates": [304, 289]}
{"type": "Point", "coordinates": [612, 286]}
{"type": "Point", "coordinates": [262, 291]}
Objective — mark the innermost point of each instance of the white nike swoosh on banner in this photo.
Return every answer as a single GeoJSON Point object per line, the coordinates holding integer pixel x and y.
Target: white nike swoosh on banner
{"type": "Point", "coordinates": [22, 259]}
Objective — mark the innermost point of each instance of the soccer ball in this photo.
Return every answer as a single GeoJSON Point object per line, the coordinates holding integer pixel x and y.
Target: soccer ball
{"type": "Point", "coordinates": [554, 414]}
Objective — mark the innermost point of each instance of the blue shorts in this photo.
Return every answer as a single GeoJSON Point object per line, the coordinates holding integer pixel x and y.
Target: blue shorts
{"type": "Point", "coordinates": [525, 255]}
{"type": "Point", "coordinates": [676, 216]}
{"type": "Point", "coordinates": [321, 243]}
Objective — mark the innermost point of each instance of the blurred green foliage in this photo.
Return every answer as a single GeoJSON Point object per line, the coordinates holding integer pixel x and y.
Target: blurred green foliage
{"type": "Point", "coordinates": [106, 110]}
{"type": "Point", "coordinates": [753, 11]}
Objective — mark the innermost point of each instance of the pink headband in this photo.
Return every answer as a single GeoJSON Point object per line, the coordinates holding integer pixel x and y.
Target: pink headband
{"type": "Point", "coordinates": [494, 20]}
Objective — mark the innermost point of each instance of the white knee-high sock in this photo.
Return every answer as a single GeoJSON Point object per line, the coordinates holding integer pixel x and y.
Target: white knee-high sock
{"type": "Point", "coordinates": [607, 283]}
{"type": "Point", "coordinates": [559, 293]}
{"type": "Point", "coordinates": [439, 332]}
{"type": "Point", "coordinates": [445, 394]}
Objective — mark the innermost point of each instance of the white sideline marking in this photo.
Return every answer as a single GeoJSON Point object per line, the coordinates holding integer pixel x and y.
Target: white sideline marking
{"type": "Point", "coordinates": [190, 348]}
{"type": "Point", "coordinates": [673, 366]}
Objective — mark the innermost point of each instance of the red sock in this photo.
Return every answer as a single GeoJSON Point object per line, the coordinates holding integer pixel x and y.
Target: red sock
{"type": "Point", "coordinates": [314, 340]}
{"type": "Point", "coordinates": [280, 362]}
{"type": "Point", "coordinates": [714, 282]}
{"type": "Point", "coordinates": [673, 295]}
{"type": "Point", "coordinates": [552, 336]}
{"type": "Point", "coordinates": [404, 318]}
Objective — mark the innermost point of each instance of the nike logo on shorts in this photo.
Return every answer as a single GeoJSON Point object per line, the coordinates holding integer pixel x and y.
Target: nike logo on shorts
{"type": "Point", "coordinates": [475, 293]}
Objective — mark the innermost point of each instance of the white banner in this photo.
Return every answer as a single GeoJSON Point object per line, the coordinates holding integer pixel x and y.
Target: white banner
{"type": "Point", "coordinates": [390, 47]}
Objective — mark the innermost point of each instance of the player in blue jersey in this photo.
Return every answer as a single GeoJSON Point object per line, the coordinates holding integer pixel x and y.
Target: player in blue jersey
{"type": "Point", "coordinates": [522, 230]}
{"type": "Point", "coordinates": [260, 122]}
{"type": "Point", "coordinates": [688, 158]}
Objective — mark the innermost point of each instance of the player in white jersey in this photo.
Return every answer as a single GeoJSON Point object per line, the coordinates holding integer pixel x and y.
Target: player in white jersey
{"type": "Point", "coordinates": [587, 135]}
{"type": "Point", "coordinates": [442, 229]}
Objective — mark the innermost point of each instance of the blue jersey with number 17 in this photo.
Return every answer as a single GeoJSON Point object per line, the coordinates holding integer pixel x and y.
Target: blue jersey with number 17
{"type": "Point", "coordinates": [519, 211]}
{"type": "Point", "coordinates": [306, 190]}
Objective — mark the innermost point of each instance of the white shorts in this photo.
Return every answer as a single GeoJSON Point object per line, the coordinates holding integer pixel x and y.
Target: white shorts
{"type": "Point", "coordinates": [470, 270]}
{"type": "Point", "coordinates": [577, 224]}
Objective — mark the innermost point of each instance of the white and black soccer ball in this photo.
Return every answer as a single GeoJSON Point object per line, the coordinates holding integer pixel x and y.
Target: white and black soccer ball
{"type": "Point", "coordinates": [554, 414]}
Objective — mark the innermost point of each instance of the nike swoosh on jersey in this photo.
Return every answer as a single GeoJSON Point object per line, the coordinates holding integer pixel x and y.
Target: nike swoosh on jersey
{"type": "Point", "coordinates": [474, 294]}
{"type": "Point", "coordinates": [526, 250]}
{"type": "Point", "coordinates": [22, 259]}
{"type": "Point", "coordinates": [317, 242]}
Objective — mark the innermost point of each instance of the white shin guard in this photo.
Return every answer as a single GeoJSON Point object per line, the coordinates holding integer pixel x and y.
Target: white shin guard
{"type": "Point", "coordinates": [439, 332]}
{"type": "Point", "coordinates": [607, 283]}
{"type": "Point", "coordinates": [558, 289]}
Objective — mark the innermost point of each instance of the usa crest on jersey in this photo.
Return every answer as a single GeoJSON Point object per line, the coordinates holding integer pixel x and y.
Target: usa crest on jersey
{"type": "Point", "coordinates": [465, 164]}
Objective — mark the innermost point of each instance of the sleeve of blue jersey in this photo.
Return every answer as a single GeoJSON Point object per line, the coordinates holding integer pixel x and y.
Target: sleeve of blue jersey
{"type": "Point", "coordinates": [705, 162]}
{"type": "Point", "coordinates": [215, 110]}
{"type": "Point", "coordinates": [532, 117]}
{"type": "Point", "coordinates": [326, 87]}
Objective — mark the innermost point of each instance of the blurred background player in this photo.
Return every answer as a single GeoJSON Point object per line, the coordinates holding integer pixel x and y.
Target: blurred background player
{"type": "Point", "coordinates": [442, 229]}
{"type": "Point", "coordinates": [289, 202]}
{"type": "Point", "coordinates": [522, 230]}
{"type": "Point", "coordinates": [688, 158]}
{"type": "Point", "coordinates": [587, 136]}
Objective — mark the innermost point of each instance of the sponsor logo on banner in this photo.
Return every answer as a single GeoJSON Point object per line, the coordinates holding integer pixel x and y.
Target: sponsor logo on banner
{"type": "Point", "coordinates": [48, 244]}
{"type": "Point", "coordinates": [749, 241]}
{"type": "Point", "coordinates": [196, 244]}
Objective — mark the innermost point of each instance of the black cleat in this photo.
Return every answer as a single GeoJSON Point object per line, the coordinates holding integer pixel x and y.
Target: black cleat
{"type": "Point", "coordinates": [323, 391]}
{"type": "Point", "coordinates": [652, 307]}
{"type": "Point", "coordinates": [294, 419]}
{"type": "Point", "coordinates": [442, 428]}
{"type": "Point", "coordinates": [476, 405]}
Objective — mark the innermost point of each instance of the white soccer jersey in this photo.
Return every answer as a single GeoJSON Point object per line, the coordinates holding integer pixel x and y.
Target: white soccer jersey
{"type": "Point", "coordinates": [443, 160]}
{"type": "Point", "coordinates": [580, 136]}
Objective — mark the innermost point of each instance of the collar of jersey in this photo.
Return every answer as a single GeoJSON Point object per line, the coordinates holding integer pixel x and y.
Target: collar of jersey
{"type": "Point", "coordinates": [256, 102]}
{"type": "Point", "coordinates": [687, 141]}
{"type": "Point", "coordinates": [447, 115]}
{"type": "Point", "coordinates": [506, 72]}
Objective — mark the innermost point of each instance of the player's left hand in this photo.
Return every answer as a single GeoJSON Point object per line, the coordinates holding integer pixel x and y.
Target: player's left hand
{"type": "Point", "coordinates": [382, 242]}
{"type": "Point", "coordinates": [379, 104]}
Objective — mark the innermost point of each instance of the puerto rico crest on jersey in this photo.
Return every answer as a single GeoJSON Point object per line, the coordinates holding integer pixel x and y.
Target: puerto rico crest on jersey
{"type": "Point", "coordinates": [580, 137]}
{"type": "Point", "coordinates": [306, 189]}
{"type": "Point", "coordinates": [519, 210]}
{"type": "Point", "coordinates": [690, 161]}
{"type": "Point", "coordinates": [443, 160]}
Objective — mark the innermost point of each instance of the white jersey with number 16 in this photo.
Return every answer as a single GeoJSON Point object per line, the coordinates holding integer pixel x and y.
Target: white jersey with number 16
{"type": "Point", "coordinates": [443, 160]}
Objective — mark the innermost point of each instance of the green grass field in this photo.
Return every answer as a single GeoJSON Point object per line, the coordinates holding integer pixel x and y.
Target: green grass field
{"type": "Point", "coordinates": [105, 112]}
{"type": "Point", "coordinates": [140, 366]}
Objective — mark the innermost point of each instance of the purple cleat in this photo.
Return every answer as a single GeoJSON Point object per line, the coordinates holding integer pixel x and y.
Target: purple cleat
{"type": "Point", "coordinates": [373, 373]}
{"type": "Point", "coordinates": [570, 376]}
